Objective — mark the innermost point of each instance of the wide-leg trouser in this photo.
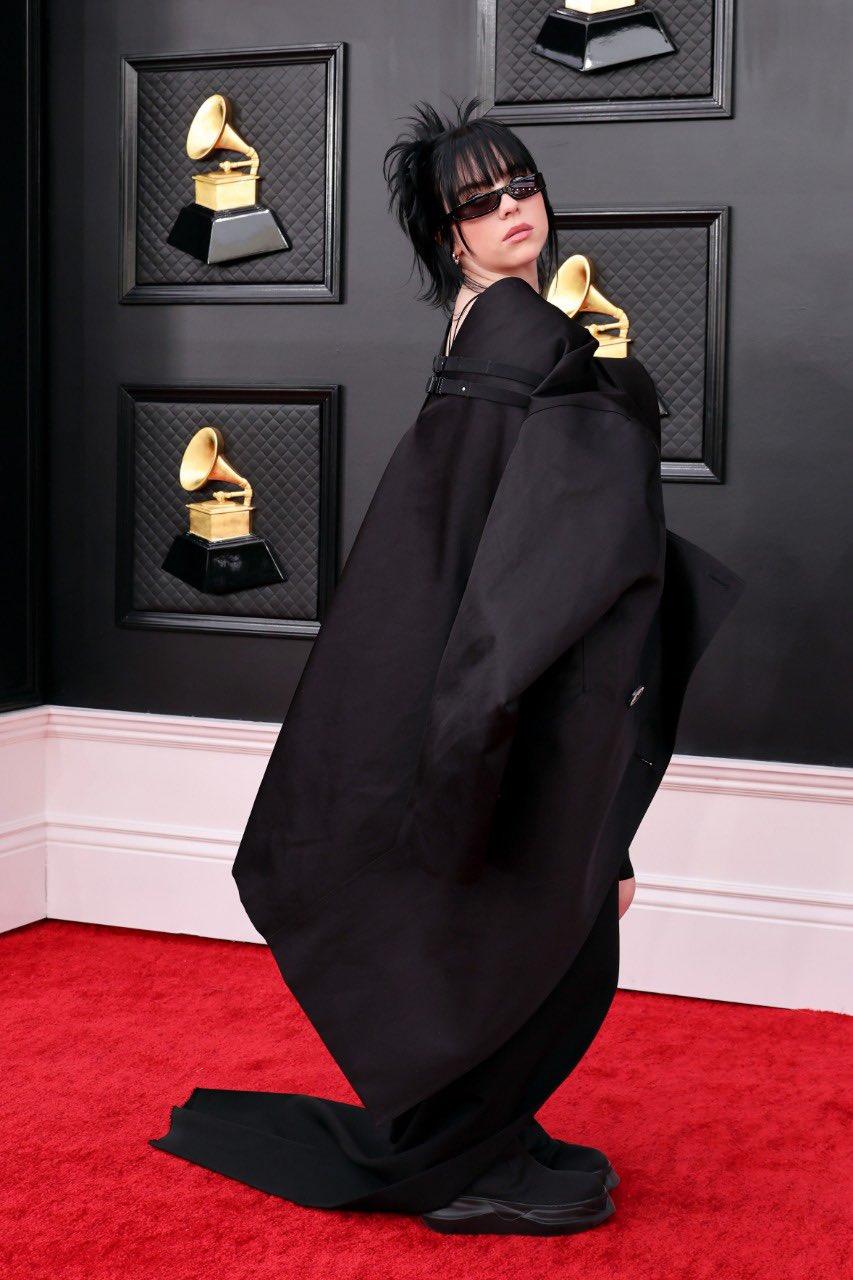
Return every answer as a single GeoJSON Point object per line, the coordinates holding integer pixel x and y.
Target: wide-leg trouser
{"type": "Point", "coordinates": [328, 1154]}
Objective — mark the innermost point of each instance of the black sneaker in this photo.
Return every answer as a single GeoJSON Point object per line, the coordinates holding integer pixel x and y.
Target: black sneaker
{"type": "Point", "coordinates": [520, 1196]}
{"type": "Point", "coordinates": [557, 1154]}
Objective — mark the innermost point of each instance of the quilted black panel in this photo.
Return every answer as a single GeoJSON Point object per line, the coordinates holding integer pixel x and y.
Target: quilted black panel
{"type": "Point", "coordinates": [281, 111]}
{"type": "Point", "coordinates": [523, 76]}
{"type": "Point", "coordinates": [277, 448]}
{"type": "Point", "coordinates": [659, 276]}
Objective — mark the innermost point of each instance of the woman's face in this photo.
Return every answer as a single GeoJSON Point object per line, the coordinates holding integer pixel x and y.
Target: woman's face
{"type": "Point", "coordinates": [496, 244]}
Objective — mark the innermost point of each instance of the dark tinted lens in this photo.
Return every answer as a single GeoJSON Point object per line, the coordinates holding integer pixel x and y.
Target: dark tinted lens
{"type": "Point", "coordinates": [521, 188]}
{"type": "Point", "coordinates": [486, 203]}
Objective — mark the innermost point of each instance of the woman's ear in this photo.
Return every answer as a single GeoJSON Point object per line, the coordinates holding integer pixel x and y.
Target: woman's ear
{"type": "Point", "coordinates": [452, 249]}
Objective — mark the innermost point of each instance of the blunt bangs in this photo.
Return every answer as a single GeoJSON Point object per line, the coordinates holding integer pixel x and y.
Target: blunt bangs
{"type": "Point", "coordinates": [481, 156]}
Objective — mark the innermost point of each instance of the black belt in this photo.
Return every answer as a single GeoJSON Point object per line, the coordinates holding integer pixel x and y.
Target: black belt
{"type": "Point", "coordinates": [479, 389]}
{"type": "Point", "coordinates": [489, 368]}
{"type": "Point", "coordinates": [483, 387]}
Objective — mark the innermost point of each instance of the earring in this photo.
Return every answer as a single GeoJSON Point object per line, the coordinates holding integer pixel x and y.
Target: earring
{"type": "Point", "coordinates": [455, 257]}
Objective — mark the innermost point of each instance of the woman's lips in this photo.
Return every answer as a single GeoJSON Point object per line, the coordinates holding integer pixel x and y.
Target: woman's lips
{"type": "Point", "coordinates": [518, 233]}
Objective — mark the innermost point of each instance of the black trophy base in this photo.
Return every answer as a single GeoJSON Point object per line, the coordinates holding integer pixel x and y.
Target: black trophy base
{"type": "Point", "coordinates": [235, 564]}
{"type": "Point", "coordinates": [595, 42]}
{"type": "Point", "coordinates": [228, 235]}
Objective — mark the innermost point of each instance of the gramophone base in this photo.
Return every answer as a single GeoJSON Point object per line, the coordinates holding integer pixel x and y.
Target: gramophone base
{"type": "Point", "coordinates": [595, 42]}
{"type": "Point", "coordinates": [217, 235]}
{"type": "Point", "coordinates": [234, 564]}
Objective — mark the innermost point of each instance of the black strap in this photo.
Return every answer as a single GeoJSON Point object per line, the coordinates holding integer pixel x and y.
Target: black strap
{"type": "Point", "coordinates": [479, 389]}
{"type": "Point", "coordinates": [489, 368]}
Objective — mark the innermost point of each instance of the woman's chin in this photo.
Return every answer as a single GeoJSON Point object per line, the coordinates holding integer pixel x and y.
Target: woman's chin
{"type": "Point", "coordinates": [521, 252]}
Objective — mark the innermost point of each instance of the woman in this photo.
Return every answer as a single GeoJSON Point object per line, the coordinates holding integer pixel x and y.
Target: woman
{"type": "Point", "coordinates": [438, 851]}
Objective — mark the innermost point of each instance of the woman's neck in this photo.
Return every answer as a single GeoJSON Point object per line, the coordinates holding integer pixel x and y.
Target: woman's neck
{"type": "Point", "coordinates": [467, 293]}
{"type": "Point", "coordinates": [481, 280]}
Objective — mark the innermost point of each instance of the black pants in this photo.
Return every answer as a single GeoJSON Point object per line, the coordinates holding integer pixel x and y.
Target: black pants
{"type": "Point", "coordinates": [327, 1154]}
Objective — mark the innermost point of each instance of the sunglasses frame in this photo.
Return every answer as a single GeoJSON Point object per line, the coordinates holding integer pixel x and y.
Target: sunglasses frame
{"type": "Point", "coordinates": [452, 214]}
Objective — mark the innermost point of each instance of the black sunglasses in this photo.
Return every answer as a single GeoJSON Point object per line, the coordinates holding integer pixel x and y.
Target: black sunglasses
{"type": "Point", "coordinates": [519, 188]}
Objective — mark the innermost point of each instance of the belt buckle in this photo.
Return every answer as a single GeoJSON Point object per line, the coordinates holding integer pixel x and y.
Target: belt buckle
{"type": "Point", "coordinates": [433, 385]}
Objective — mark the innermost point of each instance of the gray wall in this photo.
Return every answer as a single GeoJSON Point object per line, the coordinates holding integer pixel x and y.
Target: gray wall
{"type": "Point", "coordinates": [773, 686]}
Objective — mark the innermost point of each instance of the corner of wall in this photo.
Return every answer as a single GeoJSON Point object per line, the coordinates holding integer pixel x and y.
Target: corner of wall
{"type": "Point", "coordinates": [23, 830]}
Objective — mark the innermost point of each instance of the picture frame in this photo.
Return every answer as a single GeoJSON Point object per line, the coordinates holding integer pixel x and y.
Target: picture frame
{"type": "Point", "coordinates": [518, 86]}
{"type": "Point", "coordinates": [668, 268]}
{"type": "Point", "coordinates": [286, 439]}
{"type": "Point", "coordinates": [290, 107]}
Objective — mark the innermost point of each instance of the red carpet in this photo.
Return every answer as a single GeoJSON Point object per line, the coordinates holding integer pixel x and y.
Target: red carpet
{"type": "Point", "coordinates": [729, 1125]}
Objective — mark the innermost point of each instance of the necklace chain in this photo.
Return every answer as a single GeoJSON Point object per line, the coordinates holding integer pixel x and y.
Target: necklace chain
{"type": "Point", "coordinates": [478, 289]}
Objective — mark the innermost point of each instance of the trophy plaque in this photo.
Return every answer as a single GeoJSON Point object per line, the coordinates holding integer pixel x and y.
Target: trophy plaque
{"type": "Point", "coordinates": [219, 553]}
{"type": "Point", "coordinates": [226, 222]}
{"type": "Point", "coordinates": [594, 35]}
{"type": "Point", "coordinates": [572, 291]}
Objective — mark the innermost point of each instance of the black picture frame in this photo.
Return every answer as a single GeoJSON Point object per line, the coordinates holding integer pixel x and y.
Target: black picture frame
{"type": "Point", "coordinates": [130, 290]}
{"type": "Point", "coordinates": [717, 103]}
{"type": "Point", "coordinates": [715, 219]}
{"type": "Point", "coordinates": [327, 396]}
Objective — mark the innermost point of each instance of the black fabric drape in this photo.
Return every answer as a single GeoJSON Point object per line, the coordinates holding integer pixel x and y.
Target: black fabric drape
{"type": "Point", "coordinates": [450, 771]}
{"type": "Point", "coordinates": [484, 717]}
{"type": "Point", "coordinates": [326, 1154]}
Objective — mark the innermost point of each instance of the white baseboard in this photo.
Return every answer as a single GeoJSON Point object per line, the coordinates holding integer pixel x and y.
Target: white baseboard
{"type": "Point", "coordinates": [133, 819]}
{"type": "Point", "coordinates": [738, 941]}
{"type": "Point", "coordinates": [23, 872]}
{"type": "Point", "coordinates": [144, 877]}
{"type": "Point", "coordinates": [23, 847]}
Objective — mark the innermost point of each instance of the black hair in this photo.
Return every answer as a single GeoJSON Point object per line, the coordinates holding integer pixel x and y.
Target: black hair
{"type": "Point", "coordinates": [427, 168]}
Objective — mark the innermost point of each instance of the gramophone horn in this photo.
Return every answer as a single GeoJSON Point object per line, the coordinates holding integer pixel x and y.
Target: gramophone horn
{"type": "Point", "coordinates": [572, 290]}
{"type": "Point", "coordinates": [204, 460]}
{"type": "Point", "coordinates": [571, 284]}
{"type": "Point", "coordinates": [210, 130]}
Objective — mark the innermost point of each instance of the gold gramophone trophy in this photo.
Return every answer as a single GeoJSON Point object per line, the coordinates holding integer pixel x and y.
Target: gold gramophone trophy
{"type": "Point", "coordinates": [219, 553]}
{"type": "Point", "coordinates": [572, 291]}
{"type": "Point", "coordinates": [226, 222]}
{"type": "Point", "coordinates": [594, 35]}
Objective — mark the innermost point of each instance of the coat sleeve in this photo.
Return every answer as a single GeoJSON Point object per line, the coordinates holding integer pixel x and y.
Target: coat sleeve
{"type": "Point", "coordinates": [576, 520]}
{"type": "Point", "coordinates": [626, 871]}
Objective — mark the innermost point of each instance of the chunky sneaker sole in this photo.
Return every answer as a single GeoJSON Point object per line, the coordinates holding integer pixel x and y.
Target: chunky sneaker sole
{"type": "Point", "coordinates": [480, 1215]}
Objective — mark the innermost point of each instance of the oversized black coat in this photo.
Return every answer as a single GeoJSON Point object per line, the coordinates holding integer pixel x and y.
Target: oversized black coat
{"type": "Point", "coordinates": [487, 710]}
